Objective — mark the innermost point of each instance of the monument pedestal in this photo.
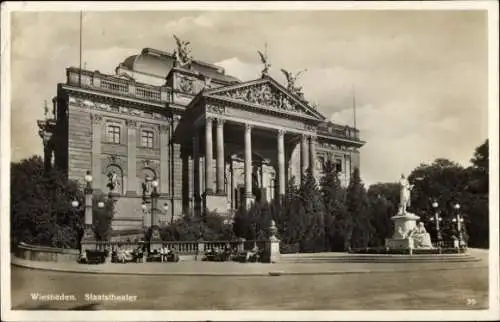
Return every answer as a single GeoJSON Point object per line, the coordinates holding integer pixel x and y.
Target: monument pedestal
{"type": "Point", "coordinates": [404, 223]}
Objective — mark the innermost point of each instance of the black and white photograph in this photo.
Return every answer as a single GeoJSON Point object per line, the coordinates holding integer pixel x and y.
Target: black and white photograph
{"type": "Point", "coordinates": [249, 161]}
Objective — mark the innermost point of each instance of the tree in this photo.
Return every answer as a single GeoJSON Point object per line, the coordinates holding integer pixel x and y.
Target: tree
{"type": "Point", "coordinates": [357, 225]}
{"type": "Point", "coordinates": [384, 203]}
{"type": "Point", "coordinates": [334, 206]}
{"type": "Point", "coordinates": [311, 215]}
{"type": "Point", "coordinates": [480, 169]}
{"type": "Point", "coordinates": [210, 227]}
{"type": "Point", "coordinates": [41, 210]}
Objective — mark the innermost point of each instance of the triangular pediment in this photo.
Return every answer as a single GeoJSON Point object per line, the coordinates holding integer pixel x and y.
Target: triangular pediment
{"type": "Point", "coordinates": [265, 93]}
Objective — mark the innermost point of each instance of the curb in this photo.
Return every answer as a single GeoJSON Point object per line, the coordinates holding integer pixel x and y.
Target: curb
{"type": "Point", "coordinates": [232, 274]}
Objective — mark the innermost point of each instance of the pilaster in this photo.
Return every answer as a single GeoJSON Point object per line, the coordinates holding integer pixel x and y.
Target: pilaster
{"type": "Point", "coordinates": [96, 150]}
{"type": "Point", "coordinates": [132, 157]}
{"type": "Point", "coordinates": [164, 162]}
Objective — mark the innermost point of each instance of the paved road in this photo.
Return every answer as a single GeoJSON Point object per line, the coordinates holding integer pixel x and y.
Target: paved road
{"type": "Point", "coordinates": [460, 288]}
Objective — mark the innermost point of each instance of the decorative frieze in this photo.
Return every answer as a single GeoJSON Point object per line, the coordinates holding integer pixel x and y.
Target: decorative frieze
{"type": "Point", "coordinates": [218, 109]}
{"type": "Point", "coordinates": [263, 94]}
{"type": "Point", "coordinates": [92, 105]}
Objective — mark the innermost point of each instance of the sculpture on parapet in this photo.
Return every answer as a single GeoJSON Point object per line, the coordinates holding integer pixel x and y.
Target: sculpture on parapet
{"type": "Point", "coordinates": [405, 194]}
{"type": "Point", "coordinates": [45, 110]}
{"type": "Point", "coordinates": [264, 60]}
{"type": "Point", "coordinates": [292, 81]}
{"type": "Point", "coordinates": [182, 53]}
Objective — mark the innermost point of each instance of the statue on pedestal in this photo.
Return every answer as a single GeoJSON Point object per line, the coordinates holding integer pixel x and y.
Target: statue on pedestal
{"type": "Point", "coordinates": [405, 194]}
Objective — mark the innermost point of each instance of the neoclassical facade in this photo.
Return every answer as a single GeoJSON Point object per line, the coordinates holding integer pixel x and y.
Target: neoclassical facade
{"type": "Point", "coordinates": [211, 141]}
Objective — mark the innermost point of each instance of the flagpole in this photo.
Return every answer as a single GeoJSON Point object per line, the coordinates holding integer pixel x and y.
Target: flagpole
{"type": "Point", "coordinates": [354, 106]}
{"type": "Point", "coordinates": [80, 53]}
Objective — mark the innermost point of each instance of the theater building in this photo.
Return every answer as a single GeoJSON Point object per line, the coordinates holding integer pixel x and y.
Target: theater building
{"type": "Point", "coordinates": [210, 141]}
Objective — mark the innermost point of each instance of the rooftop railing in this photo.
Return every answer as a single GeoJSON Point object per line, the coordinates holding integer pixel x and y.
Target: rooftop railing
{"type": "Point", "coordinates": [117, 85]}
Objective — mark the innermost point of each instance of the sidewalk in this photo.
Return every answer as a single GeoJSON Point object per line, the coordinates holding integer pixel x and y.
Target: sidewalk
{"type": "Point", "coordinates": [194, 268]}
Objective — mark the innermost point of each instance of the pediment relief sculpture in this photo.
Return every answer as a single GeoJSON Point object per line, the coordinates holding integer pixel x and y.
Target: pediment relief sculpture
{"type": "Point", "coordinates": [263, 94]}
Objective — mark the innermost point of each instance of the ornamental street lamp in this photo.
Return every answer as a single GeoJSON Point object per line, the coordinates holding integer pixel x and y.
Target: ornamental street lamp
{"type": "Point", "coordinates": [437, 219]}
{"type": "Point", "coordinates": [88, 233]}
{"type": "Point", "coordinates": [152, 198]}
{"type": "Point", "coordinates": [459, 221]}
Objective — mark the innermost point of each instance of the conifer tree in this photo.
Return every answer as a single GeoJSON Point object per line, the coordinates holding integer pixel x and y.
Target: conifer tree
{"type": "Point", "coordinates": [334, 206]}
{"type": "Point", "coordinates": [358, 227]}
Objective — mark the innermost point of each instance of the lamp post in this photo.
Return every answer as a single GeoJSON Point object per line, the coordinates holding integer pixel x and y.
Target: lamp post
{"type": "Point", "coordinates": [459, 221]}
{"type": "Point", "coordinates": [88, 233]}
{"type": "Point", "coordinates": [151, 196]}
{"type": "Point", "coordinates": [437, 219]}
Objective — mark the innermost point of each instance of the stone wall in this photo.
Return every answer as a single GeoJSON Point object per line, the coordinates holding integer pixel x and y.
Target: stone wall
{"type": "Point", "coordinates": [42, 253]}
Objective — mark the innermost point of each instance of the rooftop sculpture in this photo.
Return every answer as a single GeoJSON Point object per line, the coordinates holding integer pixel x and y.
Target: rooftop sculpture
{"type": "Point", "coordinates": [264, 60]}
{"type": "Point", "coordinates": [182, 53]}
{"type": "Point", "coordinates": [292, 81]}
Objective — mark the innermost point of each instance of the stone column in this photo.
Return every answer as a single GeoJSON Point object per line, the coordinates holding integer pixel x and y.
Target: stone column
{"type": "Point", "coordinates": [312, 156]}
{"type": "Point", "coordinates": [248, 166]}
{"type": "Point", "coordinates": [220, 156]}
{"type": "Point", "coordinates": [96, 151]}
{"type": "Point", "coordinates": [304, 158]}
{"type": "Point", "coordinates": [281, 163]}
{"type": "Point", "coordinates": [164, 168]}
{"type": "Point", "coordinates": [132, 156]}
{"type": "Point", "coordinates": [208, 156]}
{"type": "Point", "coordinates": [196, 172]}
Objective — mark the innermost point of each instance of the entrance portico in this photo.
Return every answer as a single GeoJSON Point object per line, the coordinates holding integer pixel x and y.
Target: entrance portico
{"type": "Point", "coordinates": [258, 123]}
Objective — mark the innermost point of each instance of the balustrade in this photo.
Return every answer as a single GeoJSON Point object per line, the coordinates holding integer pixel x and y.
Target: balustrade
{"type": "Point", "coordinates": [118, 85]}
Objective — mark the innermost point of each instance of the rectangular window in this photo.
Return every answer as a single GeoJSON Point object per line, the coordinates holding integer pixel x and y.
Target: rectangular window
{"type": "Point", "coordinates": [147, 139]}
{"type": "Point", "coordinates": [113, 134]}
{"type": "Point", "coordinates": [338, 165]}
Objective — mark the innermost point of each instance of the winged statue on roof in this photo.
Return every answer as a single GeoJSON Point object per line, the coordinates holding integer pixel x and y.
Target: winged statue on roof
{"type": "Point", "coordinates": [264, 60]}
{"type": "Point", "coordinates": [182, 53]}
{"type": "Point", "coordinates": [291, 79]}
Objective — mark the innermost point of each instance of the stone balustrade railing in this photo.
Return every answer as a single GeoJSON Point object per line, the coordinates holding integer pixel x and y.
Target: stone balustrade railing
{"type": "Point", "coordinates": [339, 130]}
{"type": "Point", "coordinates": [117, 85]}
{"type": "Point", "coordinates": [187, 247]}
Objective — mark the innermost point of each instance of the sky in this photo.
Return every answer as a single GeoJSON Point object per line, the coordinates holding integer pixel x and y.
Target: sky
{"type": "Point", "coordinates": [419, 78]}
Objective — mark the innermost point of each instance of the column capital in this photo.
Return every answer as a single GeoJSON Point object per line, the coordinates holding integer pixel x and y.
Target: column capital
{"type": "Point", "coordinates": [248, 127]}
{"type": "Point", "coordinates": [164, 128]}
{"type": "Point", "coordinates": [131, 123]}
{"type": "Point", "coordinates": [220, 121]}
{"type": "Point", "coordinates": [209, 119]}
{"type": "Point", "coordinates": [281, 132]}
{"type": "Point", "coordinates": [96, 118]}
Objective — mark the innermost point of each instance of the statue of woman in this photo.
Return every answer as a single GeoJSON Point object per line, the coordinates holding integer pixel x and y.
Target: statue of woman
{"type": "Point", "coordinates": [405, 194]}
{"type": "Point", "coordinates": [421, 237]}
